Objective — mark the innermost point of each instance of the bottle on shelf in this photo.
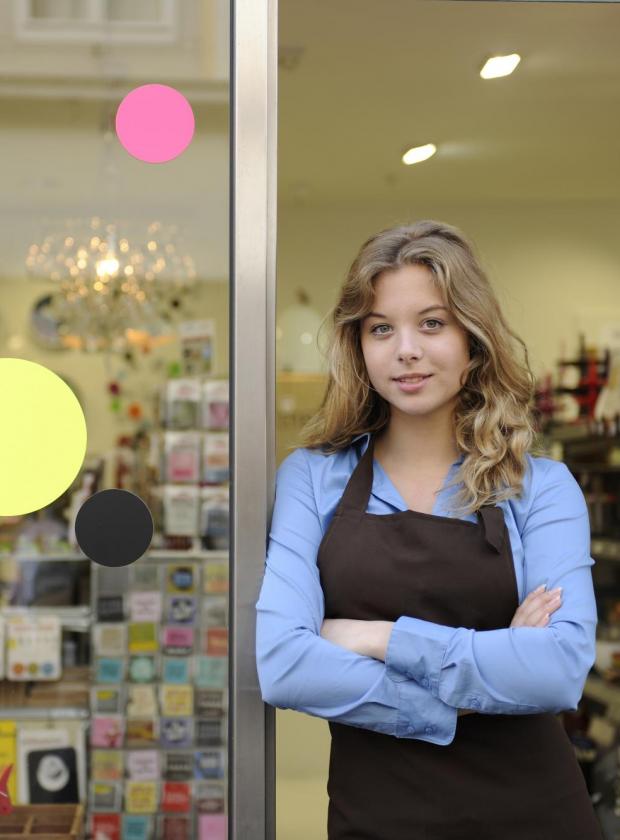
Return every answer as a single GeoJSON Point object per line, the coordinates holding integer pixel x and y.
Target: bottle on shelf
{"type": "Point", "coordinates": [607, 407]}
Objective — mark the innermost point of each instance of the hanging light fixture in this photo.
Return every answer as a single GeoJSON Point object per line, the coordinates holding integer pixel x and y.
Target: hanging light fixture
{"type": "Point", "coordinates": [119, 283]}
{"type": "Point", "coordinates": [114, 289]}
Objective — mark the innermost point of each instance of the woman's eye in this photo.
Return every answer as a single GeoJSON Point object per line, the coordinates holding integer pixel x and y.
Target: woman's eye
{"type": "Point", "coordinates": [376, 330]}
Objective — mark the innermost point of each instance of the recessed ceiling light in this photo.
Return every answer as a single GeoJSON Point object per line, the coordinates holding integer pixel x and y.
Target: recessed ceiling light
{"type": "Point", "coordinates": [500, 65]}
{"type": "Point", "coordinates": [418, 153]}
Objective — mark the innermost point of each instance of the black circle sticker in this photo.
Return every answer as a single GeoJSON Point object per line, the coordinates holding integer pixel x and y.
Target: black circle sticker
{"type": "Point", "coordinates": [114, 527]}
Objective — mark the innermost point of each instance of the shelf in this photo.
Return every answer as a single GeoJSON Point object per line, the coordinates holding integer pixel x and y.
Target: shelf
{"type": "Point", "coordinates": [31, 558]}
{"type": "Point", "coordinates": [60, 713]}
{"type": "Point", "coordinates": [603, 692]}
{"type": "Point", "coordinates": [77, 619]}
{"type": "Point", "coordinates": [576, 466]}
{"type": "Point", "coordinates": [155, 554]}
{"type": "Point", "coordinates": [605, 548]}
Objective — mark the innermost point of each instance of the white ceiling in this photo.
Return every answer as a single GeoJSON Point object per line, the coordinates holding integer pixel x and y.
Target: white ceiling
{"type": "Point", "coordinates": [360, 81]}
{"type": "Point", "coordinates": [378, 76]}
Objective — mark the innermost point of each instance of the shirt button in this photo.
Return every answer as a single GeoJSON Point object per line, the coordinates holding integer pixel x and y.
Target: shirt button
{"type": "Point", "coordinates": [425, 682]}
{"type": "Point", "coordinates": [475, 703]}
{"type": "Point", "coordinates": [429, 730]}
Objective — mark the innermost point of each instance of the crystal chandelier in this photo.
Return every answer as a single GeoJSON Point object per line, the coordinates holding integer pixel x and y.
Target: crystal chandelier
{"type": "Point", "coordinates": [115, 288]}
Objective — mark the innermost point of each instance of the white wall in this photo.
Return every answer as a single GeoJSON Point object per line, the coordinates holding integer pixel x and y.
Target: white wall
{"type": "Point", "coordinates": [555, 266]}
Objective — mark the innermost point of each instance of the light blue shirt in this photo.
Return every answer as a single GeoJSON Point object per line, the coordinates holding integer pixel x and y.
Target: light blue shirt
{"type": "Point", "coordinates": [430, 670]}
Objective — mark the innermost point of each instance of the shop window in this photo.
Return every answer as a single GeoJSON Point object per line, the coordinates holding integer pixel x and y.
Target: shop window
{"type": "Point", "coordinates": [141, 21]}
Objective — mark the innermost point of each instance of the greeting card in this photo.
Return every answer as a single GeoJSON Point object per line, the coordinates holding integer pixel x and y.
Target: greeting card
{"type": "Point", "coordinates": [108, 670]}
{"type": "Point", "coordinates": [141, 733]}
{"type": "Point", "coordinates": [105, 796]}
{"type": "Point", "coordinates": [143, 669]}
{"type": "Point", "coordinates": [216, 576]}
{"type": "Point", "coordinates": [215, 641]}
{"type": "Point", "coordinates": [106, 699]}
{"type": "Point", "coordinates": [137, 827]}
{"type": "Point", "coordinates": [145, 576]}
{"type": "Point", "coordinates": [174, 828]}
{"type": "Point", "coordinates": [176, 670]}
{"type": "Point", "coordinates": [210, 764]}
{"type": "Point", "coordinates": [178, 641]}
{"type": "Point", "coordinates": [215, 406]}
{"type": "Point", "coordinates": [212, 826]}
{"type": "Point", "coordinates": [176, 700]}
{"type": "Point", "coordinates": [106, 826]}
{"type": "Point", "coordinates": [143, 765]}
{"type": "Point", "coordinates": [175, 732]}
{"type": "Point", "coordinates": [107, 731]}
{"type": "Point", "coordinates": [141, 797]}
{"type": "Point", "coordinates": [176, 796]}
{"type": "Point", "coordinates": [110, 639]}
{"type": "Point", "coordinates": [33, 647]}
{"type": "Point", "coordinates": [181, 579]}
{"type": "Point", "coordinates": [145, 606]}
{"type": "Point", "coordinates": [141, 701]}
{"type": "Point", "coordinates": [215, 611]}
{"type": "Point", "coordinates": [107, 765]}
{"type": "Point", "coordinates": [143, 637]}
{"type": "Point", "coordinates": [181, 609]}
{"type": "Point", "coordinates": [179, 766]}
{"type": "Point", "coordinates": [211, 671]}
{"type": "Point", "coordinates": [216, 458]}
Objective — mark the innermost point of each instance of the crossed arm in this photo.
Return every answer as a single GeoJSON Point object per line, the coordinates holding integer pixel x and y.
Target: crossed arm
{"type": "Point", "coordinates": [430, 670]}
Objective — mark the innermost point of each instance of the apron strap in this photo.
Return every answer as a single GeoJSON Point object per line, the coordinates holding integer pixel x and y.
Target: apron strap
{"type": "Point", "coordinates": [494, 526]}
{"type": "Point", "coordinates": [357, 492]}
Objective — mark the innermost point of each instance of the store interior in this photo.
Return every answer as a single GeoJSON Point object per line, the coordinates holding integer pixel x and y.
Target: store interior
{"type": "Point", "coordinates": [526, 165]}
{"type": "Point", "coordinates": [115, 276]}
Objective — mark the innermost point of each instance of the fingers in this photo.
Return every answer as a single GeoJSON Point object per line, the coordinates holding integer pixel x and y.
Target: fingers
{"type": "Point", "coordinates": [544, 607]}
{"type": "Point", "coordinates": [536, 609]}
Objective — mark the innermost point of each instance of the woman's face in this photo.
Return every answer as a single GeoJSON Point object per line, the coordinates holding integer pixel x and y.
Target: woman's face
{"type": "Point", "coordinates": [403, 338]}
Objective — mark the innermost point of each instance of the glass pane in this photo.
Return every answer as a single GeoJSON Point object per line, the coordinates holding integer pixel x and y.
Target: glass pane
{"type": "Point", "coordinates": [527, 166]}
{"type": "Point", "coordinates": [114, 278]}
{"type": "Point", "coordinates": [137, 10]}
{"type": "Point", "coordinates": [59, 9]}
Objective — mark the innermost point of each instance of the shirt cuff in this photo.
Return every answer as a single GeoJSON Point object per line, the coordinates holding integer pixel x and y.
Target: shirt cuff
{"type": "Point", "coordinates": [433, 721]}
{"type": "Point", "coordinates": [417, 648]}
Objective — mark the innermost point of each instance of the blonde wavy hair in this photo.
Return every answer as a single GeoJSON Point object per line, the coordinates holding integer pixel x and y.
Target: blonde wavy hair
{"type": "Point", "coordinates": [494, 419]}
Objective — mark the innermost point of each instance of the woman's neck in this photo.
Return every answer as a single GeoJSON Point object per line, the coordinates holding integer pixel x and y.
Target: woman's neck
{"type": "Point", "coordinates": [405, 452]}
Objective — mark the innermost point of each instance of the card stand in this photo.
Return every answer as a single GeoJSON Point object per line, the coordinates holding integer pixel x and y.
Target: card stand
{"type": "Point", "coordinates": [45, 822]}
{"type": "Point", "coordinates": [190, 455]}
{"type": "Point", "coordinates": [164, 776]}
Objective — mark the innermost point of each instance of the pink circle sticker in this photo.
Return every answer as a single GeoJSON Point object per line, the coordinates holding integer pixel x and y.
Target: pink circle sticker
{"type": "Point", "coordinates": [155, 123]}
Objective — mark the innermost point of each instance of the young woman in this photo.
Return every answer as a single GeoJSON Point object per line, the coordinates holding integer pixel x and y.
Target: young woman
{"type": "Point", "coordinates": [428, 585]}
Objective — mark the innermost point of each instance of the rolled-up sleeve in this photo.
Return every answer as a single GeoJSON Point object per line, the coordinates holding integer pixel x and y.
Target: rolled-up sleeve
{"type": "Point", "coordinates": [518, 670]}
{"type": "Point", "coordinates": [299, 669]}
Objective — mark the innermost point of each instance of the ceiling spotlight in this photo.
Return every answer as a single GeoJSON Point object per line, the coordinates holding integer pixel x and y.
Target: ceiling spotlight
{"type": "Point", "coordinates": [500, 65]}
{"type": "Point", "coordinates": [418, 153]}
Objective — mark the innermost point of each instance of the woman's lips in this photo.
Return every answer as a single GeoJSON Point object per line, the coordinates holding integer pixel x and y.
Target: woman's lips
{"type": "Point", "coordinates": [410, 387]}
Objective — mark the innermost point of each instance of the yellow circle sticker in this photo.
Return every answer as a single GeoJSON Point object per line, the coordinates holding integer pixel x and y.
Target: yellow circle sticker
{"type": "Point", "coordinates": [42, 437]}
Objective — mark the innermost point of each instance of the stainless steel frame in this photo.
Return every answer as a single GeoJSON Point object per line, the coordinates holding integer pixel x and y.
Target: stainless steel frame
{"type": "Point", "coordinates": [253, 128]}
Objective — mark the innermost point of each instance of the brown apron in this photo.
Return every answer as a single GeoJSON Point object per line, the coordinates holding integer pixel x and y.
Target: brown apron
{"type": "Point", "coordinates": [503, 777]}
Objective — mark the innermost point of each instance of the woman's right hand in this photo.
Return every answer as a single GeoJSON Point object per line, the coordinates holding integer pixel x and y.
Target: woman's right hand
{"type": "Point", "coordinates": [535, 611]}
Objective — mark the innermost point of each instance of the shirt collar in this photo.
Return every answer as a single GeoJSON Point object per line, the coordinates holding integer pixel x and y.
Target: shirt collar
{"type": "Point", "coordinates": [366, 436]}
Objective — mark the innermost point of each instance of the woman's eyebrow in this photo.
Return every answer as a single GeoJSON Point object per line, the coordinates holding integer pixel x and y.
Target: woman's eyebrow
{"type": "Point", "coordinates": [421, 312]}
